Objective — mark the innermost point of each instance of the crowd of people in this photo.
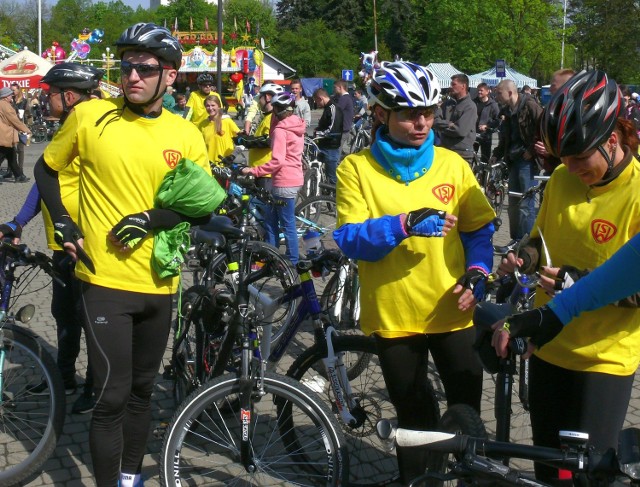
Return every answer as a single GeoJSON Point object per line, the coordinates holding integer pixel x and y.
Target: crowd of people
{"type": "Point", "coordinates": [410, 211]}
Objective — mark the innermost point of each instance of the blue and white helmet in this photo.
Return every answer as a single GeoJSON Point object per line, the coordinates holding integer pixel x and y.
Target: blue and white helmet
{"type": "Point", "coordinates": [402, 84]}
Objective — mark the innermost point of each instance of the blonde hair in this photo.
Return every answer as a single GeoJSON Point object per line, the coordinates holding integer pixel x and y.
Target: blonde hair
{"type": "Point", "coordinates": [217, 120]}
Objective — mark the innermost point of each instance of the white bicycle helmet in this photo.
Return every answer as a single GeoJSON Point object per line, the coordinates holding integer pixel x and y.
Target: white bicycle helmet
{"type": "Point", "coordinates": [402, 84]}
{"type": "Point", "coordinates": [271, 89]}
{"type": "Point", "coordinates": [284, 101]}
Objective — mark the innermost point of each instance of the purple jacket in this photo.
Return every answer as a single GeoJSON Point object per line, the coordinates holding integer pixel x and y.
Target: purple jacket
{"type": "Point", "coordinates": [287, 143]}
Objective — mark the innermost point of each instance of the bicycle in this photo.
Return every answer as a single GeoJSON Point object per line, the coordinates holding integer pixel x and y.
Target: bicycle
{"type": "Point", "coordinates": [315, 180]}
{"type": "Point", "coordinates": [30, 425]}
{"type": "Point", "coordinates": [475, 459]}
{"type": "Point", "coordinates": [39, 128]}
{"type": "Point", "coordinates": [230, 431]}
{"type": "Point", "coordinates": [362, 135]}
{"type": "Point", "coordinates": [496, 184]}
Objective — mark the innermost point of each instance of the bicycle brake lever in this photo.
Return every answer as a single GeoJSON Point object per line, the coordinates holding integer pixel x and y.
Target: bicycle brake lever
{"type": "Point", "coordinates": [84, 257]}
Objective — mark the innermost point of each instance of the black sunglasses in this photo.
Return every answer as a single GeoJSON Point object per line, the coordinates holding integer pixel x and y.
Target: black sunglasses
{"type": "Point", "coordinates": [143, 70]}
{"type": "Point", "coordinates": [414, 114]}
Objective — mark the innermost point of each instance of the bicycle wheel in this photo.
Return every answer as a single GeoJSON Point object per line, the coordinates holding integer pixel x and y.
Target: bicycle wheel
{"type": "Point", "coordinates": [311, 186]}
{"type": "Point", "coordinates": [318, 214]}
{"type": "Point", "coordinates": [370, 463]}
{"type": "Point", "coordinates": [270, 276]}
{"type": "Point", "coordinates": [495, 190]}
{"type": "Point", "coordinates": [30, 425]}
{"type": "Point", "coordinates": [341, 298]}
{"type": "Point", "coordinates": [38, 133]}
{"type": "Point", "coordinates": [202, 443]}
{"type": "Point", "coordinates": [459, 418]}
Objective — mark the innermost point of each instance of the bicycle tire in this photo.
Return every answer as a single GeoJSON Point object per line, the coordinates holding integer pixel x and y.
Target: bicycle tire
{"type": "Point", "coordinates": [320, 214]}
{"type": "Point", "coordinates": [202, 443]}
{"type": "Point", "coordinates": [277, 279]}
{"type": "Point", "coordinates": [311, 185]}
{"type": "Point", "coordinates": [495, 189]}
{"type": "Point", "coordinates": [30, 425]}
{"type": "Point", "coordinates": [371, 464]}
{"type": "Point", "coordinates": [341, 299]}
{"type": "Point", "coordinates": [39, 133]}
{"type": "Point", "coordinates": [459, 418]}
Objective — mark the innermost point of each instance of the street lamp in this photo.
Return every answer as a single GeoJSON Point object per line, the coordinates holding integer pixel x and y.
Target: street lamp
{"type": "Point", "coordinates": [107, 61]}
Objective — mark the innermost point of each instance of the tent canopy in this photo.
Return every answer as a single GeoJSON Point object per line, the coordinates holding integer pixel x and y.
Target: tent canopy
{"type": "Point", "coordinates": [25, 68]}
{"type": "Point", "coordinates": [443, 72]}
{"type": "Point", "coordinates": [491, 79]}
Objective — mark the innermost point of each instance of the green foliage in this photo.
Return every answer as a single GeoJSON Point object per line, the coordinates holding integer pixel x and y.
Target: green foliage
{"type": "Point", "coordinates": [314, 51]}
{"type": "Point", "coordinates": [259, 15]}
{"type": "Point", "coordinates": [186, 11]}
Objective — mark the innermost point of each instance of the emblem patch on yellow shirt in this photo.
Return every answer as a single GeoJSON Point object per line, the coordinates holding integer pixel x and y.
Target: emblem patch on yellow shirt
{"type": "Point", "coordinates": [444, 192]}
{"type": "Point", "coordinates": [172, 157]}
{"type": "Point", "coordinates": [603, 231]}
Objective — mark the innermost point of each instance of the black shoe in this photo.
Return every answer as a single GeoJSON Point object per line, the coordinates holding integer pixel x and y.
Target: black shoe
{"type": "Point", "coordinates": [84, 404]}
{"type": "Point", "coordinates": [6, 174]}
{"type": "Point", "coordinates": [22, 179]}
{"type": "Point", "coordinates": [42, 389]}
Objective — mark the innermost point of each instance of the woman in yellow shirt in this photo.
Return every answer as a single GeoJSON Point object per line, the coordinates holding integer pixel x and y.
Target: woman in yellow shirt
{"type": "Point", "coordinates": [217, 130]}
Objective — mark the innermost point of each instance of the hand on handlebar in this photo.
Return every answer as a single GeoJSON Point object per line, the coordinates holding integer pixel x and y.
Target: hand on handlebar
{"type": "Point", "coordinates": [540, 325]}
{"type": "Point", "coordinates": [509, 263]}
{"type": "Point", "coordinates": [554, 280]}
{"type": "Point", "coordinates": [11, 230]}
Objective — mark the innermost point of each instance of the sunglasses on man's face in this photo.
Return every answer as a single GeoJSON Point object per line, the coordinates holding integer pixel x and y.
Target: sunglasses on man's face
{"type": "Point", "coordinates": [143, 70]}
{"type": "Point", "coordinates": [414, 114]}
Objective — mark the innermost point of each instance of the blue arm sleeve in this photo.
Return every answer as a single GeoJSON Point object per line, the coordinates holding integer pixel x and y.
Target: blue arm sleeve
{"type": "Point", "coordinates": [616, 279]}
{"type": "Point", "coordinates": [372, 239]}
{"type": "Point", "coordinates": [478, 249]}
{"type": "Point", "coordinates": [30, 207]}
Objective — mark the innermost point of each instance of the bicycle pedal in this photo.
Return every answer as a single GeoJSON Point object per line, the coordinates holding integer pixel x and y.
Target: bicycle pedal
{"type": "Point", "coordinates": [160, 429]}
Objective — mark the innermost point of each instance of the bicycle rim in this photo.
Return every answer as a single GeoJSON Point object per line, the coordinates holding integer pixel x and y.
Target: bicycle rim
{"type": "Point", "coordinates": [341, 299]}
{"type": "Point", "coordinates": [202, 443]}
{"type": "Point", "coordinates": [29, 424]}
{"type": "Point", "coordinates": [370, 462]}
{"type": "Point", "coordinates": [277, 277]}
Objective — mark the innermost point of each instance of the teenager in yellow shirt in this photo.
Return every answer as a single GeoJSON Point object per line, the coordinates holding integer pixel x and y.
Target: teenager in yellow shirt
{"type": "Point", "coordinates": [218, 130]}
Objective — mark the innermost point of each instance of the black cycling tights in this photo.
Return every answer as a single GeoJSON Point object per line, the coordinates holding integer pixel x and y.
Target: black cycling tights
{"type": "Point", "coordinates": [404, 366]}
{"type": "Point", "coordinates": [126, 337]}
{"type": "Point", "coordinates": [589, 402]}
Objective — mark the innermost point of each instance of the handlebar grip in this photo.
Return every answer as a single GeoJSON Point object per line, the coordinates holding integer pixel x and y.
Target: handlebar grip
{"type": "Point", "coordinates": [433, 440]}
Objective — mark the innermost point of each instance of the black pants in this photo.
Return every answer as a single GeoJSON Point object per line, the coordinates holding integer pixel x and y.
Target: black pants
{"type": "Point", "coordinates": [127, 335]}
{"type": "Point", "coordinates": [404, 367]}
{"type": "Point", "coordinates": [588, 402]}
{"type": "Point", "coordinates": [10, 154]}
{"type": "Point", "coordinates": [66, 308]}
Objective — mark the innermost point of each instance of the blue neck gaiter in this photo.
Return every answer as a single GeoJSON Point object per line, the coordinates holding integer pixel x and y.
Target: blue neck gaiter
{"type": "Point", "coordinates": [402, 163]}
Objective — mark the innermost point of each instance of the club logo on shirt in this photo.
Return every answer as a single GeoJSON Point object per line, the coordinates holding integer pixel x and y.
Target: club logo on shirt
{"type": "Point", "coordinates": [172, 157]}
{"type": "Point", "coordinates": [603, 231]}
{"type": "Point", "coordinates": [444, 192]}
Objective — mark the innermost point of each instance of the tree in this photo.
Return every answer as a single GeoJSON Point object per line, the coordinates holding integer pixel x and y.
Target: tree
{"type": "Point", "coordinates": [187, 12]}
{"type": "Point", "coordinates": [258, 14]}
{"type": "Point", "coordinates": [314, 50]}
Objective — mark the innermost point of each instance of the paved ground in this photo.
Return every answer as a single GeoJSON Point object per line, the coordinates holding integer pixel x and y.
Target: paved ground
{"type": "Point", "coordinates": [68, 466]}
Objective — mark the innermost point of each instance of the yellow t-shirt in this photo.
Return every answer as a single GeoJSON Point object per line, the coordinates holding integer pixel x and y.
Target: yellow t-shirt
{"type": "Point", "coordinates": [410, 289]}
{"type": "Point", "coordinates": [583, 227]}
{"type": "Point", "coordinates": [219, 145]}
{"type": "Point", "coordinates": [258, 157]}
{"type": "Point", "coordinates": [123, 160]}
{"type": "Point", "coordinates": [196, 102]}
{"type": "Point", "coordinates": [69, 179]}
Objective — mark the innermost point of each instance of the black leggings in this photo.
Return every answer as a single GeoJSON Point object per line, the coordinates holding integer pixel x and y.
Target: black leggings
{"type": "Point", "coordinates": [126, 336]}
{"type": "Point", "coordinates": [404, 367]}
{"type": "Point", "coordinates": [589, 402]}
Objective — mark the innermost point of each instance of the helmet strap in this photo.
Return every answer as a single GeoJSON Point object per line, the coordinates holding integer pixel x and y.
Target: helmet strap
{"type": "Point", "coordinates": [609, 158]}
{"type": "Point", "coordinates": [138, 108]}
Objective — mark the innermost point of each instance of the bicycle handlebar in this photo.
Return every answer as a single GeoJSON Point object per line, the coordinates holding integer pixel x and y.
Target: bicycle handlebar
{"type": "Point", "coordinates": [22, 256]}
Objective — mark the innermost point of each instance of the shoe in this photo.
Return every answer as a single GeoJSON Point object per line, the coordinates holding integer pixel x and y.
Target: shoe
{"type": "Point", "coordinates": [22, 179]}
{"type": "Point", "coordinates": [42, 389]}
{"type": "Point", "coordinates": [6, 174]}
{"type": "Point", "coordinates": [84, 404]}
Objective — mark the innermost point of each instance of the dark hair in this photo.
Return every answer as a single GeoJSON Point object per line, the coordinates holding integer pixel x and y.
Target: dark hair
{"type": "Point", "coordinates": [482, 85]}
{"type": "Point", "coordinates": [525, 88]}
{"type": "Point", "coordinates": [321, 92]}
{"type": "Point", "coordinates": [462, 78]}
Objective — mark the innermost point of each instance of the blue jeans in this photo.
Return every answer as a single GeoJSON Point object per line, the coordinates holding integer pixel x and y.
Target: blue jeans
{"type": "Point", "coordinates": [283, 216]}
{"type": "Point", "coordinates": [330, 157]}
{"type": "Point", "coordinates": [522, 212]}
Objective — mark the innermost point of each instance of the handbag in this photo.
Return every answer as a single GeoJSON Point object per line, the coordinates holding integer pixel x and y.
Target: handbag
{"type": "Point", "coordinates": [23, 138]}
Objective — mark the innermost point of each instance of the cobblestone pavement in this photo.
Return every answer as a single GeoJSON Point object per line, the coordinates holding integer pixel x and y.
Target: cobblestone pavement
{"type": "Point", "coordinates": [69, 466]}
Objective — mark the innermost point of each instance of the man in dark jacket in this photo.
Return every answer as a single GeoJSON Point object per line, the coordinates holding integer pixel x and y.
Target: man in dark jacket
{"type": "Point", "coordinates": [330, 128]}
{"type": "Point", "coordinates": [517, 138]}
{"type": "Point", "coordinates": [488, 119]}
{"type": "Point", "coordinates": [456, 123]}
{"type": "Point", "coordinates": [344, 101]}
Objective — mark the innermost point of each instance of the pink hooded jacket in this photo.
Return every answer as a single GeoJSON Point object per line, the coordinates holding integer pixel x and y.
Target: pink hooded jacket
{"type": "Point", "coordinates": [287, 143]}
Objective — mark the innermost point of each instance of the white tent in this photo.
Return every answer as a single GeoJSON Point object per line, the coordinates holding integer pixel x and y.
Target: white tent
{"type": "Point", "coordinates": [443, 72]}
{"type": "Point", "coordinates": [25, 68]}
{"type": "Point", "coordinates": [491, 79]}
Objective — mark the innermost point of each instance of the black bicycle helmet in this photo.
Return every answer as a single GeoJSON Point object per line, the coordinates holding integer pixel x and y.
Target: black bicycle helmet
{"type": "Point", "coordinates": [148, 37]}
{"type": "Point", "coordinates": [72, 75]}
{"type": "Point", "coordinates": [204, 78]}
{"type": "Point", "coordinates": [581, 115]}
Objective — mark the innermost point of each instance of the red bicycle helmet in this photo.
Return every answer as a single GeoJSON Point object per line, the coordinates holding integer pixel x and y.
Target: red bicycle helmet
{"type": "Point", "coordinates": [581, 115]}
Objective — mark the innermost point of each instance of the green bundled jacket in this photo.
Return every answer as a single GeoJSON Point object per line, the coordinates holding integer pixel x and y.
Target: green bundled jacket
{"type": "Point", "coordinates": [191, 191]}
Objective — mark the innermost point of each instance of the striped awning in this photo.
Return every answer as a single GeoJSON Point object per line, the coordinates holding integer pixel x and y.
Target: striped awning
{"type": "Point", "coordinates": [491, 79]}
{"type": "Point", "coordinates": [443, 72]}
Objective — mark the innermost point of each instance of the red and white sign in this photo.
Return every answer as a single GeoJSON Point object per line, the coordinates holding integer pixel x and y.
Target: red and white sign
{"type": "Point", "coordinates": [25, 68]}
